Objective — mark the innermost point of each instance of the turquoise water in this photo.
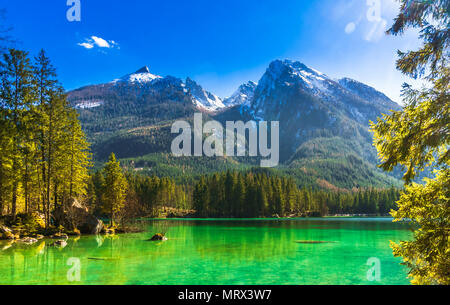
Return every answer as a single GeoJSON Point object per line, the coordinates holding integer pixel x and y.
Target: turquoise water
{"type": "Point", "coordinates": [291, 251]}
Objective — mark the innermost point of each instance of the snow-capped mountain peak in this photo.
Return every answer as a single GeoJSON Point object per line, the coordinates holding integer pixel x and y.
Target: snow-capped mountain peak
{"type": "Point", "coordinates": [142, 75]}
{"type": "Point", "coordinates": [144, 69]}
{"type": "Point", "coordinates": [202, 98]}
{"type": "Point", "coordinates": [291, 72]}
{"type": "Point", "coordinates": [242, 96]}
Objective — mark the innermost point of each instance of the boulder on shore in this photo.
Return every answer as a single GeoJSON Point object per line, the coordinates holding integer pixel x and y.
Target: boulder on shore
{"type": "Point", "coordinates": [158, 237]}
{"type": "Point", "coordinates": [73, 215]}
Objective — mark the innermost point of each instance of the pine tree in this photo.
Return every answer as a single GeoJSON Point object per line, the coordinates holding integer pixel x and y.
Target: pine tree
{"type": "Point", "coordinates": [115, 188]}
{"type": "Point", "coordinates": [78, 156]}
{"type": "Point", "coordinates": [16, 93]}
{"type": "Point", "coordinates": [239, 192]}
{"type": "Point", "coordinates": [201, 197]}
{"type": "Point", "coordinates": [46, 85]}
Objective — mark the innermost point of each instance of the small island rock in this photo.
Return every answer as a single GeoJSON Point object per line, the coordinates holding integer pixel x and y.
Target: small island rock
{"type": "Point", "coordinates": [158, 237]}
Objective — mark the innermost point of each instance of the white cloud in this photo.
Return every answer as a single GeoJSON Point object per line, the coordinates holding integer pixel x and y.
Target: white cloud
{"type": "Point", "coordinates": [100, 42]}
{"type": "Point", "coordinates": [95, 41]}
{"type": "Point", "coordinates": [86, 45]}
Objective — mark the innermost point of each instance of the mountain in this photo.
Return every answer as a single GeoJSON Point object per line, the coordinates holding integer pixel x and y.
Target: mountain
{"type": "Point", "coordinates": [203, 99]}
{"type": "Point", "coordinates": [243, 95]}
{"type": "Point", "coordinates": [287, 83]}
{"type": "Point", "coordinates": [367, 93]}
{"type": "Point", "coordinates": [324, 135]}
{"type": "Point", "coordinates": [142, 75]}
{"type": "Point", "coordinates": [143, 85]}
{"type": "Point", "coordinates": [309, 104]}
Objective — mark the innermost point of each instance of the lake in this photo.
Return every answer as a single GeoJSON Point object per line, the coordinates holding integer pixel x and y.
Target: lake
{"type": "Point", "coordinates": [226, 251]}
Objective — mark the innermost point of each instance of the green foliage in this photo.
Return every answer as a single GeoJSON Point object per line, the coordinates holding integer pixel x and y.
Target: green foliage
{"type": "Point", "coordinates": [418, 137]}
{"type": "Point", "coordinates": [432, 18]}
{"type": "Point", "coordinates": [428, 207]}
{"type": "Point", "coordinates": [31, 223]}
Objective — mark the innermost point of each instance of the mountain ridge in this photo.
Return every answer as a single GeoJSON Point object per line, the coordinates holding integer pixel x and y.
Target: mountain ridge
{"type": "Point", "coordinates": [208, 101]}
{"type": "Point", "coordinates": [323, 122]}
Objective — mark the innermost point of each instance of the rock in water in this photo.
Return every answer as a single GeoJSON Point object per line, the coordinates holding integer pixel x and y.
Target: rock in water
{"type": "Point", "coordinates": [158, 237]}
{"type": "Point", "coordinates": [91, 225]}
{"type": "Point", "coordinates": [60, 243]}
{"type": "Point", "coordinates": [28, 240]}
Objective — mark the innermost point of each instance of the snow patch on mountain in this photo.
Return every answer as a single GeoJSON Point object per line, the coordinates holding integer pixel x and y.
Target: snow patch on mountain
{"type": "Point", "coordinates": [88, 104]}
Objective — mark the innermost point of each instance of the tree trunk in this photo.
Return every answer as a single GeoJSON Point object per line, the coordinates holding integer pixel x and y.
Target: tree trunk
{"type": "Point", "coordinates": [71, 170]}
{"type": "Point", "coordinates": [1, 189]}
{"type": "Point", "coordinates": [112, 216]}
{"type": "Point", "coordinates": [48, 176]}
{"type": "Point", "coordinates": [44, 180]}
{"type": "Point", "coordinates": [55, 197]}
{"type": "Point", "coordinates": [39, 189]}
{"type": "Point", "coordinates": [14, 200]}
{"type": "Point", "coordinates": [26, 185]}
{"type": "Point", "coordinates": [1, 202]}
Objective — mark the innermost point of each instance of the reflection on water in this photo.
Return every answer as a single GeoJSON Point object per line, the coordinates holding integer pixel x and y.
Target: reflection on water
{"type": "Point", "coordinates": [314, 251]}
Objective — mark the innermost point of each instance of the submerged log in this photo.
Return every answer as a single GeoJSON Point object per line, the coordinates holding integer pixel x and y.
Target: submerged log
{"type": "Point", "coordinates": [313, 242]}
{"type": "Point", "coordinates": [158, 237]}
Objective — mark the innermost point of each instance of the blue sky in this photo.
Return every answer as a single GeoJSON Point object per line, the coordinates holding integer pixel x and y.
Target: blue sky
{"type": "Point", "coordinates": [220, 44]}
